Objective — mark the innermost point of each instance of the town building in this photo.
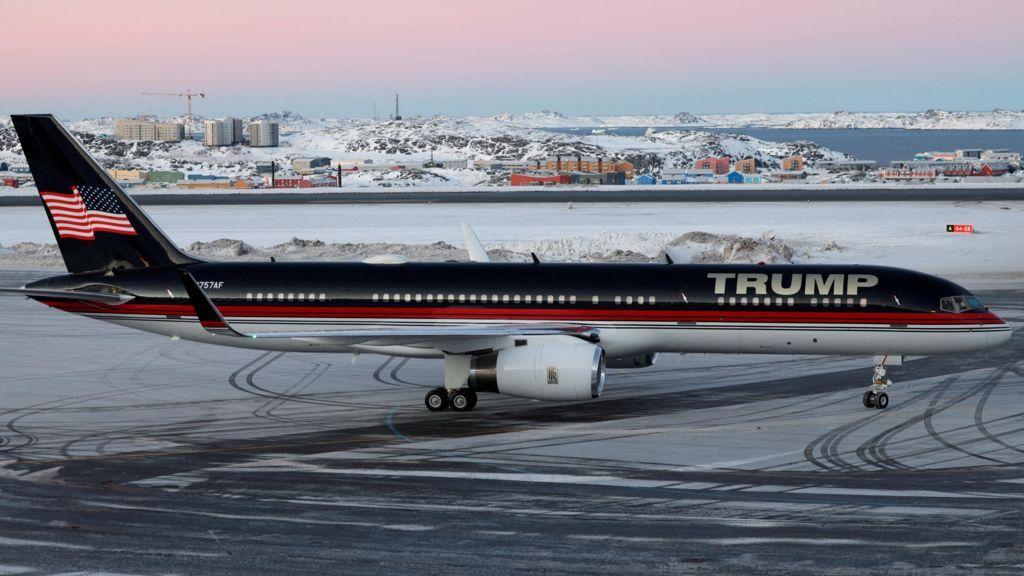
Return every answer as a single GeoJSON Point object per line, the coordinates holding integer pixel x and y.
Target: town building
{"type": "Point", "coordinates": [1001, 155]}
{"type": "Point", "coordinates": [298, 182]}
{"type": "Point", "coordinates": [598, 179]}
{"type": "Point", "coordinates": [219, 183]}
{"type": "Point", "coordinates": [991, 169]}
{"type": "Point", "coordinates": [129, 129]}
{"type": "Point", "coordinates": [3, 166]}
{"type": "Point", "coordinates": [308, 166]}
{"type": "Point", "coordinates": [687, 176]}
{"type": "Point", "coordinates": [125, 175]}
{"type": "Point", "coordinates": [645, 180]}
{"type": "Point", "coordinates": [787, 175]}
{"type": "Point", "coordinates": [746, 166]}
{"type": "Point", "coordinates": [736, 177]}
{"type": "Point", "coordinates": [718, 166]}
{"type": "Point", "coordinates": [502, 164]}
{"type": "Point", "coordinates": [591, 164]}
{"type": "Point", "coordinates": [264, 133]}
{"type": "Point", "coordinates": [937, 156]}
{"type": "Point", "coordinates": [793, 164]}
{"type": "Point", "coordinates": [222, 132]}
{"type": "Point", "coordinates": [969, 153]}
{"type": "Point", "coordinates": [164, 177]}
{"type": "Point", "coordinates": [908, 174]}
{"type": "Point", "coordinates": [847, 165]}
{"type": "Point", "coordinates": [540, 179]}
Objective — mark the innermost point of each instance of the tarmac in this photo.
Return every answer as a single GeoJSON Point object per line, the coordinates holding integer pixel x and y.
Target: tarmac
{"type": "Point", "coordinates": [128, 453]}
{"type": "Point", "coordinates": [720, 193]}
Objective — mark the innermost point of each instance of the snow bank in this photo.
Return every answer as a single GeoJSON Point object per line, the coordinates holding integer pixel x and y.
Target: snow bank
{"type": "Point", "coordinates": [696, 247]}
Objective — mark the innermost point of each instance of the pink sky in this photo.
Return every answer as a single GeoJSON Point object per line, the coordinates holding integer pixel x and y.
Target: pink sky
{"type": "Point", "coordinates": [464, 56]}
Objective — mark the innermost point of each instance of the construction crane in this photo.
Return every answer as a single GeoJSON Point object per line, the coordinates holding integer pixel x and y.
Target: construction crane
{"type": "Point", "coordinates": [187, 95]}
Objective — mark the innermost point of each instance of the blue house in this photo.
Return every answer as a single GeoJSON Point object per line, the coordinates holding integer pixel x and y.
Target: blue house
{"type": "Point", "coordinates": [644, 179]}
{"type": "Point", "coordinates": [3, 166]}
{"type": "Point", "coordinates": [735, 177]}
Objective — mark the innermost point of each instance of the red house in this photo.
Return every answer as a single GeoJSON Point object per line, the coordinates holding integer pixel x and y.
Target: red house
{"type": "Point", "coordinates": [540, 179]}
{"type": "Point", "coordinates": [716, 165]}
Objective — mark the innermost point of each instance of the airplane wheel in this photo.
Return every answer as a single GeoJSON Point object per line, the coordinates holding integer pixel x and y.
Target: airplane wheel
{"type": "Point", "coordinates": [436, 400]}
{"type": "Point", "coordinates": [461, 400]}
{"type": "Point", "coordinates": [869, 399]}
{"type": "Point", "coordinates": [472, 398]}
{"type": "Point", "coordinates": [882, 400]}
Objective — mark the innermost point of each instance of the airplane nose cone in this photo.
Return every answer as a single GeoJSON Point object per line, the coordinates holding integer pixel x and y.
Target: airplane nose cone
{"type": "Point", "coordinates": [998, 338]}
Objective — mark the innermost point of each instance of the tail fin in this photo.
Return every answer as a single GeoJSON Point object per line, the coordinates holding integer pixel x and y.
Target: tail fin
{"type": "Point", "coordinates": [98, 227]}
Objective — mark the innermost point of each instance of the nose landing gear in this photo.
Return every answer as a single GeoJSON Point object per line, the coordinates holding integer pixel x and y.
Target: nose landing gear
{"type": "Point", "coordinates": [876, 396]}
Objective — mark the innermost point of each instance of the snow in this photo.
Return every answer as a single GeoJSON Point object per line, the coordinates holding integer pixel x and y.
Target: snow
{"type": "Point", "coordinates": [898, 234]}
{"type": "Point", "coordinates": [927, 120]}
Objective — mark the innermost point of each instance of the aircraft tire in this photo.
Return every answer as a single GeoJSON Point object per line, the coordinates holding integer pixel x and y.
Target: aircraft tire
{"type": "Point", "coordinates": [882, 400]}
{"type": "Point", "coordinates": [436, 400]}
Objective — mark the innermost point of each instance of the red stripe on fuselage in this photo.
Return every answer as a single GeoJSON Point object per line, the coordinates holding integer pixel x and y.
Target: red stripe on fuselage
{"type": "Point", "coordinates": [544, 314]}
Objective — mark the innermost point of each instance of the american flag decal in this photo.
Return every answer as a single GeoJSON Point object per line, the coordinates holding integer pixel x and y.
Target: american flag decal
{"type": "Point", "coordinates": [87, 210]}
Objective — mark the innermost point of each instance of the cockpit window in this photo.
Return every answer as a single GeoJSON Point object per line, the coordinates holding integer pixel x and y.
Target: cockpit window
{"type": "Point", "coordinates": [959, 304]}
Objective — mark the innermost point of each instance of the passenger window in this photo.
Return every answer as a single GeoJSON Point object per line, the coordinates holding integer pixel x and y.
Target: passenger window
{"type": "Point", "coordinates": [248, 296]}
{"type": "Point", "coordinates": [302, 296]}
{"type": "Point", "coordinates": [323, 297]}
{"type": "Point", "coordinates": [515, 299]}
{"type": "Point", "coordinates": [721, 301]}
{"type": "Point", "coordinates": [259, 296]}
{"type": "Point", "coordinates": [419, 297]}
{"type": "Point", "coordinates": [651, 300]}
{"type": "Point", "coordinates": [618, 299]}
{"type": "Point", "coordinates": [595, 300]}
{"type": "Point", "coordinates": [280, 296]}
{"type": "Point", "coordinates": [732, 301]}
{"type": "Point", "coordinates": [291, 296]}
{"type": "Point", "coordinates": [572, 299]}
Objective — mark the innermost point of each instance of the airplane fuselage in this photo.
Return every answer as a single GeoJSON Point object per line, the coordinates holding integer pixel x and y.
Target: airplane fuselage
{"type": "Point", "coordinates": [636, 308]}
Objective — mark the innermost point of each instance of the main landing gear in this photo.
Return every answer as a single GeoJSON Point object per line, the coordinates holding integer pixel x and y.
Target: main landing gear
{"type": "Point", "coordinates": [876, 396]}
{"type": "Point", "coordinates": [459, 400]}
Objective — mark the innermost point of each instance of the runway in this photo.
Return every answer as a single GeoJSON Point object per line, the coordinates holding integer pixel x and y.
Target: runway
{"type": "Point", "coordinates": [122, 452]}
{"type": "Point", "coordinates": [647, 194]}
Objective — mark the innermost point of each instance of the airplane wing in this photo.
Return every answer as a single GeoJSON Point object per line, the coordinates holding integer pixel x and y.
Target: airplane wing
{"type": "Point", "coordinates": [477, 253]}
{"type": "Point", "coordinates": [467, 337]}
{"type": "Point", "coordinates": [78, 295]}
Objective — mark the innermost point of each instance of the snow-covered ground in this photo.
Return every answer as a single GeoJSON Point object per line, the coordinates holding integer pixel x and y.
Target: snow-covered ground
{"type": "Point", "coordinates": [898, 234]}
{"type": "Point", "coordinates": [927, 120]}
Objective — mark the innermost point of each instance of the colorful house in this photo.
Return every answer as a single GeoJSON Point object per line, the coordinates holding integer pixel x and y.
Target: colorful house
{"type": "Point", "coordinates": [718, 166]}
{"type": "Point", "coordinates": [645, 180]}
{"type": "Point", "coordinates": [736, 177]}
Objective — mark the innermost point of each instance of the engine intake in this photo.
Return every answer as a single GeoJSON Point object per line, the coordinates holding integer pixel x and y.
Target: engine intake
{"type": "Point", "coordinates": [543, 371]}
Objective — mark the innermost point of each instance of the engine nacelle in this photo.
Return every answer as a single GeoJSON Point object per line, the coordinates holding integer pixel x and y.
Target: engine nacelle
{"type": "Point", "coordinates": [641, 361]}
{"type": "Point", "coordinates": [542, 371]}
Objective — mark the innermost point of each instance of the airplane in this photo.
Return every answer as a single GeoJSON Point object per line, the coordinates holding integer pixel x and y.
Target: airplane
{"type": "Point", "coordinates": [538, 330]}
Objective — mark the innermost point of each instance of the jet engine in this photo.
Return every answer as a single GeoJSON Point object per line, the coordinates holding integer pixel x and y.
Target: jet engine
{"type": "Point", "coordinates": [571, 370]}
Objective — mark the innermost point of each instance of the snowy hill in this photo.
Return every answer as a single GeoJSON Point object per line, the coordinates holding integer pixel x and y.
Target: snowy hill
{"type": "Point", "coordinates": [928, 120]}
{"type": "Point", "coordinates": [442, 137]}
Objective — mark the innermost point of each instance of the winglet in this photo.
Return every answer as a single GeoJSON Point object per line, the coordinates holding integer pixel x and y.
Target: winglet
{"type": "Point", "coordinates": [209, 317]}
